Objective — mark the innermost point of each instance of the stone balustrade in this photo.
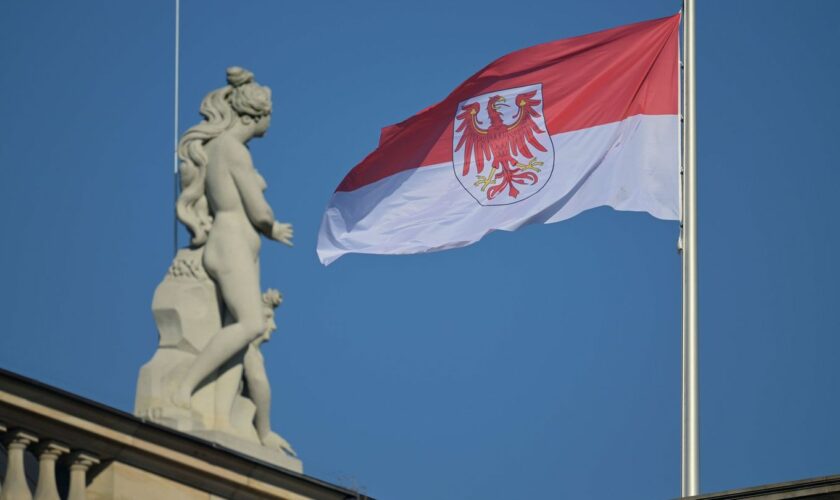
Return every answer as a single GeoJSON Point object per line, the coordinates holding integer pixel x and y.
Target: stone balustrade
{"type": "Point", "coordinates": [53, 456]}
{"type": "Point", "coordinates": [61, 446]}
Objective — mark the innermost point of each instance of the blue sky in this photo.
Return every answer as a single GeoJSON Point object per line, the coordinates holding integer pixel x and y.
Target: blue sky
{"type": "Point", "coordinates": [434, 375]}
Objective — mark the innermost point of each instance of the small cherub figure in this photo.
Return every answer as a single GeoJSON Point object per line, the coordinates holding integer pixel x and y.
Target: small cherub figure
{"type": "Point", "coordinates": [257, 380]}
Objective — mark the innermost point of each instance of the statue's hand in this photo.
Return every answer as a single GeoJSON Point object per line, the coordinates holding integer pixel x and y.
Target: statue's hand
{"type": "Point", "coordinates": [282, 232]}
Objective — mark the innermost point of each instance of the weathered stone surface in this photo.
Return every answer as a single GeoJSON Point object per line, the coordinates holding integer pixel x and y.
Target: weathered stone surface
{"type": "Point", "coordinates": [208, 375]}
{"type": "Point", "coordinates": [186, 304]}
{"type": "Point", "coordinates": [186, 309]}
{"type": "Point", "coordinates": [219, 410]}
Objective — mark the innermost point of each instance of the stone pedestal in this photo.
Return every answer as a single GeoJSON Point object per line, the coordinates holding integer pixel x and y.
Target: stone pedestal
{"type": "Point", "coordinates": [187, 310]}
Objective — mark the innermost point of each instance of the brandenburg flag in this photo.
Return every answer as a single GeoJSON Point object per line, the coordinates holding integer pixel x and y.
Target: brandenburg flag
{"type": "Point", "coordinates": [537, 136]}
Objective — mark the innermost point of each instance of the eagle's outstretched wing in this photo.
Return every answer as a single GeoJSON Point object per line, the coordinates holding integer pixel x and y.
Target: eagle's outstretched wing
{"type": "Point", "coordinates": [474, 138]}
{"type": "Point", "coordinates": [522, 131]}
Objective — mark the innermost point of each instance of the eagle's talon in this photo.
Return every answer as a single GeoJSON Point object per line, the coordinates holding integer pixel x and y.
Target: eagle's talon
{"type": "Point", "coordinates": [486, 181]}
{"type": "Point", "coordinates": [483, 182]}
{"type": "Point", "coordinates": [532, 165]}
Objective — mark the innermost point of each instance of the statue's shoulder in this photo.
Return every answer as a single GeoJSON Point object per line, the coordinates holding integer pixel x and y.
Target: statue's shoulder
{"type": "Point", "coordinates": [229, 153]}
{"type": "Point", "coordinates": [234, 152]}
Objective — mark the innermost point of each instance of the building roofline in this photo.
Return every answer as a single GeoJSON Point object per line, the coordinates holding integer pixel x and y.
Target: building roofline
{"type": "Point", "coordinates": [19, 389]}
{"type": "Point", "coordinates": [803, 488]}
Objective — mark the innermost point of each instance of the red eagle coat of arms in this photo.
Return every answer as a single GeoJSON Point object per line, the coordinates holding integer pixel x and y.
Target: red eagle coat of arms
{"type": "Point", "coordinates": [502, 134]}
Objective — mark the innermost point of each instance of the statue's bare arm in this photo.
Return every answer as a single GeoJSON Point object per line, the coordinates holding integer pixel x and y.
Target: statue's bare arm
{"type": "Point", "coordinates": [251, 187]}
{"type": "Point", "coordinates": [251, 192]}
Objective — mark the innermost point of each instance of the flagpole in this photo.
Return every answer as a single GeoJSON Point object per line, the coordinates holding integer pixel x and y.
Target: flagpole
{"type": "Point", "coordinates": [175, 124]}
{"type": "Point", "coordinates": [690, 403]}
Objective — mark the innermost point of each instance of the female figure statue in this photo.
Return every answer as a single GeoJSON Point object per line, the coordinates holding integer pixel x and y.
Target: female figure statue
{"type": "Point", "coordinates": [223, 206]}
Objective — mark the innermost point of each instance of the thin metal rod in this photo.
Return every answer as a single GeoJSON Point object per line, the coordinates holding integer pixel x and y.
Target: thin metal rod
{"type": "Point", "coordinates": [175, 131]}
{"type": "Point", "coordinates": [690, 396]}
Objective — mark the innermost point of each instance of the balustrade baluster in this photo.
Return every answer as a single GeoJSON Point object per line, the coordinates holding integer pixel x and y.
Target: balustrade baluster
{"type": "Point", "coordinates": [80, 462]}
{"type": "Point", "coordinates": [48, 453]}
{"type": "Point", "coordinates": [14, 486]}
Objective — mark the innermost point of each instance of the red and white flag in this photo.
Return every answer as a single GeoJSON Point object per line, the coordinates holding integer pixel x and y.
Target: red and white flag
{"type": "Point", "coordinates": [537, 136]}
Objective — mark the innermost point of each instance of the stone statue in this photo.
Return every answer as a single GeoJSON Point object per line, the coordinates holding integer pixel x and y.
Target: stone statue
{"type": "Point", "coordinates": [207, 376]}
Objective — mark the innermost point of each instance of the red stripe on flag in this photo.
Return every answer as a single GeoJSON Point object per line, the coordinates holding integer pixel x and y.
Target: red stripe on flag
{"type": "Point", "coordinates": [588, 80]}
